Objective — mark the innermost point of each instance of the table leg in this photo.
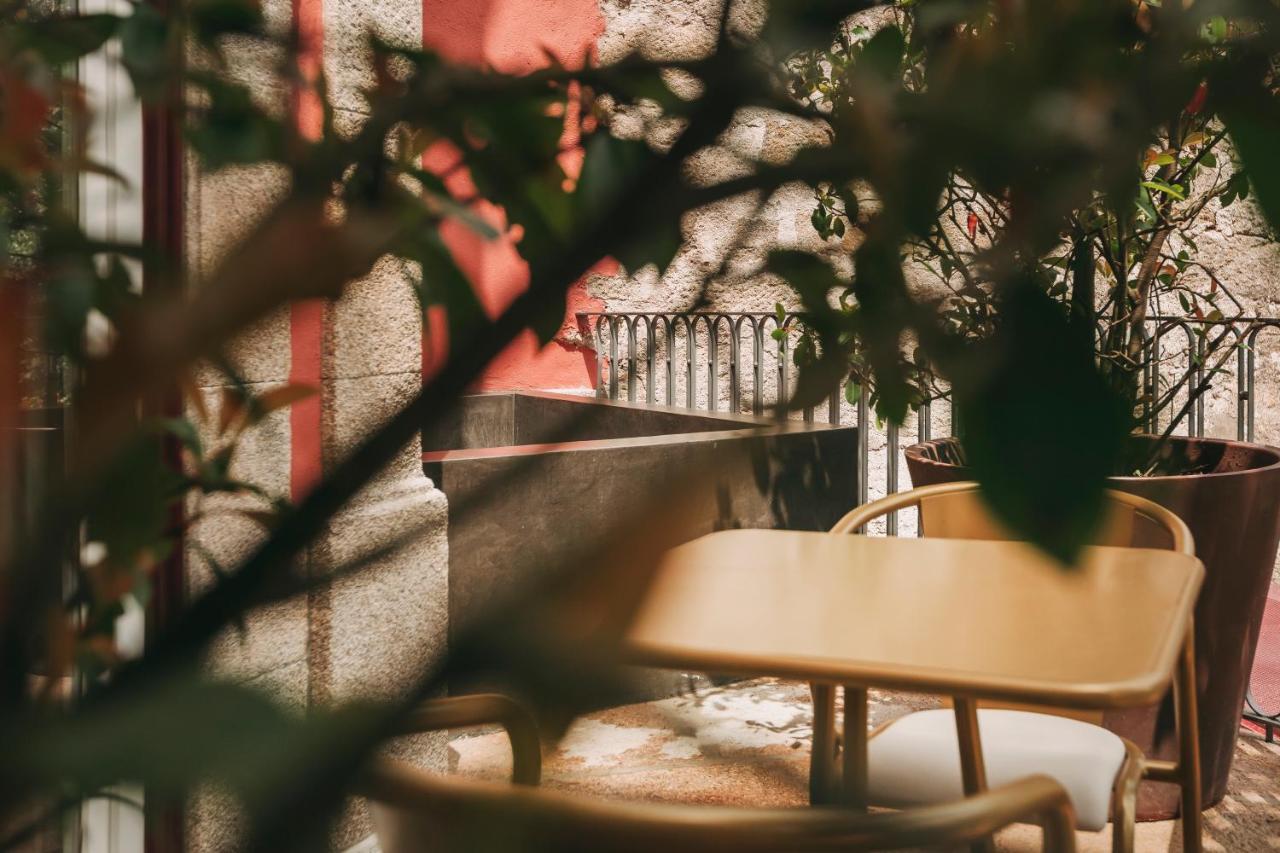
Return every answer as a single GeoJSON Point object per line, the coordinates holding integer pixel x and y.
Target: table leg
{"type": "Point", "coordinates": [973, 770]}
{"type": "Point", "coordinates": [822, 759]}
{"type": "Point", "coordinates": [1188, 723]}
{"type": "Point", "coordinates": [855, 747]}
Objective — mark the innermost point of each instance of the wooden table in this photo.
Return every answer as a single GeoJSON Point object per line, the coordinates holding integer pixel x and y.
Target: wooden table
{"type": "Point", "coordinates": [964, 618]}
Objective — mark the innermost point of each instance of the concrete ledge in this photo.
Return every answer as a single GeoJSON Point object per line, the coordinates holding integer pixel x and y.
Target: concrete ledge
{"type": "Point", "coordinates": [518, 506]}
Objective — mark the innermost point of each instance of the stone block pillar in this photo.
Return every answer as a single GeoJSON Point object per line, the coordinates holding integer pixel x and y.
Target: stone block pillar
{"type": "Point", "coordinates": [373, 632]}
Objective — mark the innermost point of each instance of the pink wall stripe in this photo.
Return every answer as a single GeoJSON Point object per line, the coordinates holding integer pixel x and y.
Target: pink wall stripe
{"type": "Point", "coordinates": [307, 319]}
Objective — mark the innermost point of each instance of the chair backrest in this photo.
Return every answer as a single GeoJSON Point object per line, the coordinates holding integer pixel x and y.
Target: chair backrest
{"type": "Point", "coordinates": [957, 511]}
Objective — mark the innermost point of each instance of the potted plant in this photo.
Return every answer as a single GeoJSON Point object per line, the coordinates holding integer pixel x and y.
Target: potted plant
{"type": "Point", "coordinates": [1122, 268]}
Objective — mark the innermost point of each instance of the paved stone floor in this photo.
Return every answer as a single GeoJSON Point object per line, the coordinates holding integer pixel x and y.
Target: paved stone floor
{"type": "Point", "coordinates": [747, 744]}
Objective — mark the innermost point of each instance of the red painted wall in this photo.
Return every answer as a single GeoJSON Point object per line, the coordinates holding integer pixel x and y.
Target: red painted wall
{"type": "Point", "coordinates": [514, 36]}
{"type": "Point", "coordinates": [307, 319]}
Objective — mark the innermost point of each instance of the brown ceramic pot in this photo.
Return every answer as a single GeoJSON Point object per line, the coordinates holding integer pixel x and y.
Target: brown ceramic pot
{"type": "Point", "coordinates": [1232, 506]}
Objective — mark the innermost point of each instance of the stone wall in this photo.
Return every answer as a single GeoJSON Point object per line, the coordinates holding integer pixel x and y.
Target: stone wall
{"type": "Point", "coordinates": [727, 242]}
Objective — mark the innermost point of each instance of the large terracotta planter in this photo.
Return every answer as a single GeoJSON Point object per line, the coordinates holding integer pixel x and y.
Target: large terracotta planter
{"type": "Point", "coordinates": [1233, 510]}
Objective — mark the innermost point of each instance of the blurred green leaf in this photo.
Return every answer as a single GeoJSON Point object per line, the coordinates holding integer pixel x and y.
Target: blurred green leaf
{"type": "Point", "coordinates": [439, 197]}
{"type": "Point", "coordinates": [444, 284]}
{"type": "Point", "coordinates": [185, 431]}
{"type": "Point", "coordinates": [882, 55]}
{"type": "Point", "coordinates": [824, 365]}
{"type": "Point", "coordinates": [146, 50]}
{"type": "Point", "coordinates": [232, 130]}
{"type": "Point", "coordinates": [610, 166]}
{"type": "Point", "coordinates": [883, 305]}
{"type": "Point", "coordinates": [1168, 189]}
{"type": "Point", "coordinates": [60, 40]}
{"type": "Point", "coordinates": [1042, 428]}
{"type": "Point", "coordinates": [803, 24]}
{"type": "Point", "coordinates": [69, 295]}
{"type": "Point", "coordinates": [1252, 118]}
{"type": "Point", "coordinates": [1215, 29]}
{"type": "Point", "coordinates": [130, 509]}
{"type": "Point", "coordinates": [211, 19]}
{"type": "Point", "coordinates": [182, 734]}
{"type": "Point", "coordinates": [510, 147]}
{"type": "Point", "coordinates": [279, 398]}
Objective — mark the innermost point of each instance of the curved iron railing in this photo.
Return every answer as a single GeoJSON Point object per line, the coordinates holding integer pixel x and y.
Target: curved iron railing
{"type": "Point", "coordinates": [723, 361]}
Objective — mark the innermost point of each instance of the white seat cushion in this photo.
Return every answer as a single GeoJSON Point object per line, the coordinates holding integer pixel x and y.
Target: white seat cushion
{"type": "Point", "coordinates": [916, 760]}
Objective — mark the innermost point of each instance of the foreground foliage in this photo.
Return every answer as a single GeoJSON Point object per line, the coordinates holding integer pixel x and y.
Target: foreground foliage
{"type": "Point", "coordinates": [1041, 116]}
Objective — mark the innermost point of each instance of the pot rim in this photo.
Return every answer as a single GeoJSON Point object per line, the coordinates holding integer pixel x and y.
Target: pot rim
{"type": "Point", "coordinates": [1273, 465]}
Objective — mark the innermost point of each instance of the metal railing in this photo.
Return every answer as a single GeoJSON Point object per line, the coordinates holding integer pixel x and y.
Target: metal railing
{"type": "Point", "coordinates": [727, 361]}
{"type": "Point", "coordinates": [1205, 348]}
{"type": "Point", "coordinates": [740, 362]}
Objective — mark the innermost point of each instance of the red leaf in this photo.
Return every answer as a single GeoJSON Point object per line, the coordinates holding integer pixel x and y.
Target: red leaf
{"type": "Point", "coordinates": [23, 110]}
{"type": "Point", "coordinates": [1196, 104]}
{"type": "Point", "coordinates": [973, 224]}
{"type": "Point", "coordinates": [231, 409]}
{"type": "Point", "coordinates": [13, 306]}
{"type": "Point", "coordinates": [286, 395]}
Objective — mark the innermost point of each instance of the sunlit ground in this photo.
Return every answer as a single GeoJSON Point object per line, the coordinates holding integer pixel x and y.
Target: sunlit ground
{"type": "Point", "coordinates": [747, 744]}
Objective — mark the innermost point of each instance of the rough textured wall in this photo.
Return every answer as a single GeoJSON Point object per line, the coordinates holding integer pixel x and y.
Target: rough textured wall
{"type": "Point", "coordinates": [1240, 248]}
{"type": "Point", "coordinates": [728, 241]}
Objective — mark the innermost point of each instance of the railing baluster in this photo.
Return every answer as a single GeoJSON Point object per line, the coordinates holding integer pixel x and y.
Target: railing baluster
{"type": "Point", "coordinates": [864, 451]}
{"type": "Point", "coordinates": [713, 358]}
{"type": "Point", "coordinates": [735, 365]}
{"type": "Point", "coordinates": [1153, 365]}
{"type": "Point", "coordinates": [891, 474]}
{"type": "Point", "coordinates": [613, 357]}
{"type": "Point", "coordinates": [1201, 378]}
{"type": "Point", "coordinates": [650, 360]}
{"type": "Point", "coordinates": [924, 427]}
{"type": "Point", "coordinates": [690, 382]}
{"type": "Point", "coordinates": [784, 345]}
{"type": "Point", "coordinates": [1192, 368]}
{"type": "Point", "coordinates": [599, 337]}
{"type": "Point", "coordinates": [631, 359]}
{"type": "Point", "coordinates": [757, 366]}
{"type": "Point", "coordinates": [1251, 389]}
{"type": "Point", "coordinates": [1151, 383]}
{"type": "Point", "coordinates": [671, 361]}
{"type": "Point", "coordinates": [1242, 394]}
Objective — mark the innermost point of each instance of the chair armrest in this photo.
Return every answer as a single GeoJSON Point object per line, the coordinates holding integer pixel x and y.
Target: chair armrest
{"type": "Point", "coordinates": [1034, 799]}
{"type": "Point", "coordinates": [482, 709]}
{"type": "Point", "coordinates": [473, 814]}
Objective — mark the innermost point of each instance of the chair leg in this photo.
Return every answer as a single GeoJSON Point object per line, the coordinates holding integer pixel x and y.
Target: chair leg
{"type": "Point", "coordinates": [1058, 829]}
{"type": "Point", "coordinates": [822, 758]}
{"type": "Point", "coordinates": [973, 768]}
{"type": "Point", "coordinates": [853, 751]}
{"type": "Point", "coordinates": [1124, 800]}
{"type": "Point", "coordinates": [1188, 723]}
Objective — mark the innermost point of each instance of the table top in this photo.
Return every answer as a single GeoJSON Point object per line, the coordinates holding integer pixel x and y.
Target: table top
{"type": "Point", "coordinates": [987, 619]}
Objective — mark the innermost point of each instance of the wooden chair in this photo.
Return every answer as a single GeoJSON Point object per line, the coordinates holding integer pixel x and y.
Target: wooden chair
{"type": "Point", "coordinates": [916, 759]}
{"type": "Point", "coordinates": [415, 811]}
